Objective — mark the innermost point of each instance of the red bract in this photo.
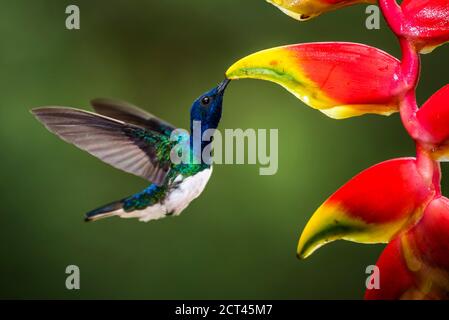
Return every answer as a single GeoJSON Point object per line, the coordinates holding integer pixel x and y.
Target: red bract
{"type": "Point", "coordinates": [433, 118]}
{"type": "Point", "coordinates": [424, 22]}
{"type": "Point", "coordinates": [416, 264]}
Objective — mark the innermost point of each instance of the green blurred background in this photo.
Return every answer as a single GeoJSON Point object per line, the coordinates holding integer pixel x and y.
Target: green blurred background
{"type": "Point", "coordinates": [236, 241]}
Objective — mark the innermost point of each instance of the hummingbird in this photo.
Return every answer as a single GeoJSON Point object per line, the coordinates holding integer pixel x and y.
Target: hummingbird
{"type": "Point", "coordinates": [135, 141]}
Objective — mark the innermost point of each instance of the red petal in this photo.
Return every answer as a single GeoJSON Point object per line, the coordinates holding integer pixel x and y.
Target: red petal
{"type": "Point", "coordinates": [395, 278]}
{"type": "Point", "coordinates": [433, 117]}
{"type": "Point", "coordinates": [431, 236]}
{"type": "Point", "coordinates": [416, 264]}
{"type": "Point", "coordinates": [427, 22]}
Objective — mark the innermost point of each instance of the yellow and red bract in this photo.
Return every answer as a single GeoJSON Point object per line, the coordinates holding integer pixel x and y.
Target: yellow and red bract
{"type": "Point", "coordinates": [306, 9]}
{"type": "Point", "coordinates": [371, 208]}
{"type": "Point", "coordinates": [340, 79]}
{"type": "Point", "coordinates": [416, 264]}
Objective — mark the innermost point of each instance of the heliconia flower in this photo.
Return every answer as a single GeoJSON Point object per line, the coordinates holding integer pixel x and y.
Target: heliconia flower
{"type": "Point", "coordinates": [340, 79]}
{"type": "Point", "coordinates": [306, 9]}
{"type": "Point", "coordinates": [433, 118]}
{"type": "Point", "coordinates": [424, 22]}
{"type": "Point", "coordinates": [370, 208]}
{"type": "Point", "coordinates": [416, 264]}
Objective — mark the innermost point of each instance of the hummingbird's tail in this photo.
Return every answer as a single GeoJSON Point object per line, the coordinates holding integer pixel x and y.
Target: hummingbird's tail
{"type": "Point", "coordinates": [146, 206]}
{"type": "Point", "coordinates": [109, 210]}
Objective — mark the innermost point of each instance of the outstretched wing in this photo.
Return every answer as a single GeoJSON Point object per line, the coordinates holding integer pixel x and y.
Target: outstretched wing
{"type": "Point", "coordinates": [125, 146]}
{"type": "Point", "coordinates": [129, 113]}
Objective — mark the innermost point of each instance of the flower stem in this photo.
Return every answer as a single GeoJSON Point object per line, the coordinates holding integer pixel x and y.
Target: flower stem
{"type": "Point", "coordinates": [408, 107]}
{"type": "Point", "coordinates": [429, 169]}
{"type": "Point", "coordinates": [393, 15]}
{"type": "Point", "coordinates": [410, 64]}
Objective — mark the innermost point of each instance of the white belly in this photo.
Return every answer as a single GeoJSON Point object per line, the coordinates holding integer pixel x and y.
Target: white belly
{"type": "Point", "coordinates": [188, 190]}
{"type": "Point", "coordinates": [176, 200]}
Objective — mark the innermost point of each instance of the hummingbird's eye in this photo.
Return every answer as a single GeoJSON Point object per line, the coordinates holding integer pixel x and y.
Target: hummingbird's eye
{"type": "Point", "coordinates": [205, 101]}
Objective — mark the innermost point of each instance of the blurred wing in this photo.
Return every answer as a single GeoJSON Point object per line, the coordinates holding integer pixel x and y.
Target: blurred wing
{"type": "Point", "coordinates": [129, 113]}
{"type": "Point", "coordinates": [125, 146]}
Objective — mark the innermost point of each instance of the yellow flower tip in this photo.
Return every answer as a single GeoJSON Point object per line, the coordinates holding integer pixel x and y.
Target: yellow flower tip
{"type": "Point", "coordinates": [311, 240]}
{"type": "Point", "coordinates": [300, 256]}
{"type": "Point", "coordinates": [252, 66]}
{"type": "Point", "coordinates": [318, 232]}
{"type": "Point", "coordinates": [306, 11]}
{"type": "Point", "coordinates": [303, 252]}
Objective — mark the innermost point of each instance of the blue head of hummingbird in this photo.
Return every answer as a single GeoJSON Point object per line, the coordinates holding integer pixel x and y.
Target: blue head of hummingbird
{"type": "Point", "coordinates": [205, 114]}
{"type": "Point", "coordinates": [137, 142]}
{"type": "Point", "coordinates": [207, 108]}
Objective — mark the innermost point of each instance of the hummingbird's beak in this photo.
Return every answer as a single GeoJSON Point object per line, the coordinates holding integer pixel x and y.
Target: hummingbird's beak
{"type": "Point", "coordinates": [222, 86]}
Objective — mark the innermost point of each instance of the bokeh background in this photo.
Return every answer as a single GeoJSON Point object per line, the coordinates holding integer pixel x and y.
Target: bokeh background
{"type": "Point", "coordinates": [238, 240]}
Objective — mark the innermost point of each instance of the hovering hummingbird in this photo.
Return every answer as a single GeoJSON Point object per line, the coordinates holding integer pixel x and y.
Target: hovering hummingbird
{"type": "Point", "coordinates": [137, 142]}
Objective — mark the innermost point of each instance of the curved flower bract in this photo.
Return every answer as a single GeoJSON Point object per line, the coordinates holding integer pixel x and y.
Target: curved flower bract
{"type": "Point", "coordinates": [371, 208]}
{"type": "Point", "coordinates": [306, 9]}
{"type": "Point", "coordinates": [416, 264]}
{"type": "Point", "coordinates": [338, 78]}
